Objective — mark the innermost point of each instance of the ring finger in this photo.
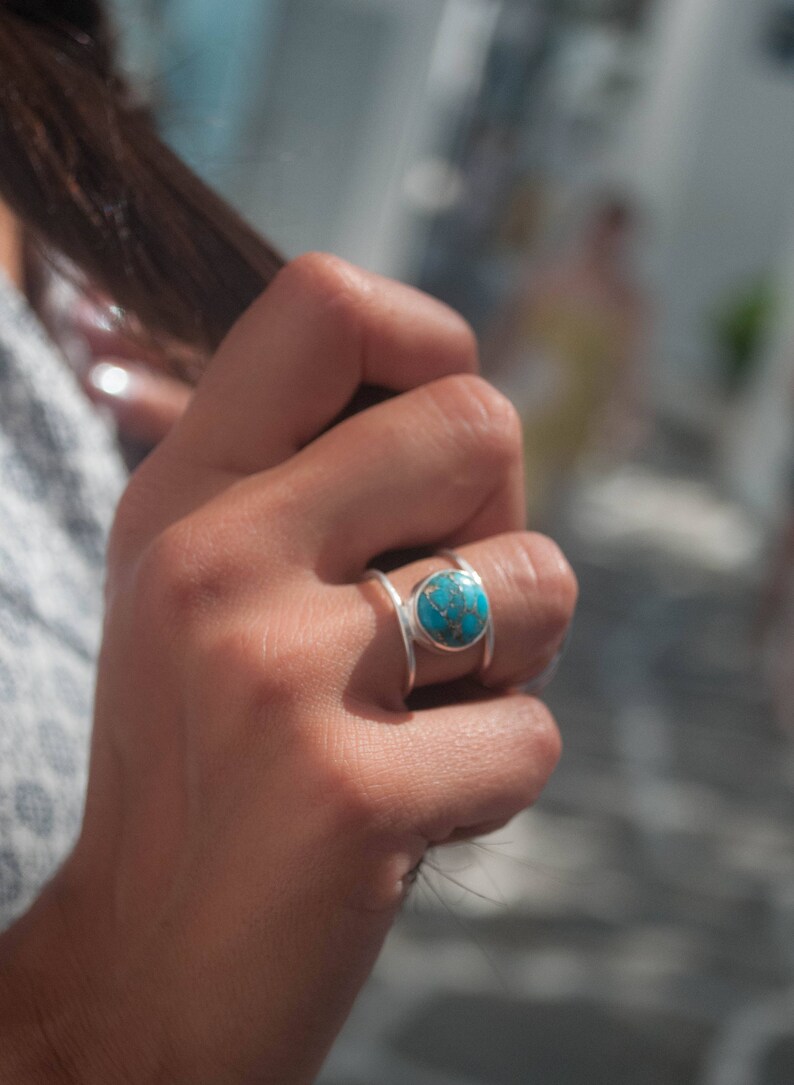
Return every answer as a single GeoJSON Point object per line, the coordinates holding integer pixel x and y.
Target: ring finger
{"type": "Point", "coordinates": [532, 595]}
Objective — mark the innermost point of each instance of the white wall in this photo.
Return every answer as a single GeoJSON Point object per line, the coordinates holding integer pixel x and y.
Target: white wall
{"type": "Point", "coordinates": [711, 152]}
{"type": "Point", "coordinates": [354, 92]}
{"type": "Point", "coordinates": [757, 442]}
{"type": "Point", "coordinates": [338, 113]}
{"type": "Point", "coordinates": [309, 114]}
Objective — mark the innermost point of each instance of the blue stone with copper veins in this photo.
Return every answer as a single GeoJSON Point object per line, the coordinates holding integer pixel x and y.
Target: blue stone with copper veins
{"type": "Point", "coordinates": [452, 610]}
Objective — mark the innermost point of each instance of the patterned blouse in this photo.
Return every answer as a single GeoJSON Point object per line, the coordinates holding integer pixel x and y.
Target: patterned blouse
{"type": "Point", "coordinates": [60, 479]}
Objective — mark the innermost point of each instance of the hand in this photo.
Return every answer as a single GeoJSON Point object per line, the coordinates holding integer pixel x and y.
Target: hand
{"type": "Point", "coordinates": [256, 800]}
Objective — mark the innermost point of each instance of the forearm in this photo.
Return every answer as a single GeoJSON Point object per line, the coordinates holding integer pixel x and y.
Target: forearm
{"type": "Point", "coordinates": [75, 1010]}
{"type": "Point", "coordinates": [28, 1053]}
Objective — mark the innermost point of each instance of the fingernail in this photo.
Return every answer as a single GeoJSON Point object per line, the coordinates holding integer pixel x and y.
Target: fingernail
{"type": "Point", "coordinates": [110, 380]}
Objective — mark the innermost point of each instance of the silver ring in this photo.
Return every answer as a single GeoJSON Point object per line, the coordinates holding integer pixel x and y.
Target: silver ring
{"type": "Point", "coordinates": [544, 679]}
{"type": "Point", "coordinates": [447, 612]}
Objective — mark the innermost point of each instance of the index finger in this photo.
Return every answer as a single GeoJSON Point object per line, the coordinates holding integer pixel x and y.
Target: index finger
{"type": "Point", "coordinates": [296, 358]}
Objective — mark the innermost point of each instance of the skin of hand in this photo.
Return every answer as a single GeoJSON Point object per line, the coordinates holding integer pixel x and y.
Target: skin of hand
{"type": "Point", "coordinates": [258, 793]}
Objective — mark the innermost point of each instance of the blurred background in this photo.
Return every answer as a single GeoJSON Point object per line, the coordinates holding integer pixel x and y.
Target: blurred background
{"type": "Point", "coordinates": [605, 188]}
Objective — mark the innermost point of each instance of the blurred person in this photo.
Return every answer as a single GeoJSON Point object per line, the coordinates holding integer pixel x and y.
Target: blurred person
{"type": "Point", "coordinates": [774, 621]}
{"type": "Point", "coordinates": [264, 781]}
{"type": "Point", "coordinates": [566, 350]}
{"type": "Point", "coordinates": [774, 624]}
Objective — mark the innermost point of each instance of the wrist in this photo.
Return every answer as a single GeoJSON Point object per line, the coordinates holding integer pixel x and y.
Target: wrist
{"type": "Point", "coordinates": [56, 1028]}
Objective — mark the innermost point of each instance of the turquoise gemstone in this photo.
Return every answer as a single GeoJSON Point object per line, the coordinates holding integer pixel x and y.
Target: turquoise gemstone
{"type": "Point", "coordinates": [471, 592]}
{"type": "Point", "coordinates": [440, 596]}
{"type": "Point", "coordinates": [433, 620]}
{"type": "Point", "coordinates": [453, 609]}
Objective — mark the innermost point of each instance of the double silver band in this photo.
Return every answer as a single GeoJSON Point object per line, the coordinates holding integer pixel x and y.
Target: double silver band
{"type": "Point", "coordinates": [404, 624]}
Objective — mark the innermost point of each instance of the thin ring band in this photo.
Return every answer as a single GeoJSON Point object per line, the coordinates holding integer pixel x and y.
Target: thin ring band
{"type": "Point", "coordinates": [405, 628]}
{"type": "Point", "coordinates": [544, 679]}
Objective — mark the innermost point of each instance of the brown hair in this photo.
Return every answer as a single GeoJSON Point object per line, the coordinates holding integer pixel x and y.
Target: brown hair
{"type": "Point", "coordinates": [83, 169]}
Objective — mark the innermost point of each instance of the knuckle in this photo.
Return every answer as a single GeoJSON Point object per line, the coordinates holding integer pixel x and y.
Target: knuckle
{"type": "Point", "coordinates": [287, 655]}
{"type": "Point", "coordinates": [321, 271]}
{"type": "Point", "coordinates": [540, 573]}
{"type": "Point", "coordinates": [460, 340]}
{"type": "Point", "coordinates": [356, 800]}
{"type": "Point", "coordinates": [363, 313]}
{"type": "Point", "coordinates": [557, 579]}
{"type": "Point", "coordinates": [343, 785]}
{"type": "Point", "coordinates": [333, 289]}
{"type": "Point", "coordinates": [539, 590]}
{"type": "Point", "coordinates": [530, 759]}
{"type": "Point", "coordinates": [266, 668]}
{"type": "Point", "coordinates": [540, 753]}
{"type": "Point", "coordinates": [182, 574]}
{"type": "Point", "coordinates": [479, 415]}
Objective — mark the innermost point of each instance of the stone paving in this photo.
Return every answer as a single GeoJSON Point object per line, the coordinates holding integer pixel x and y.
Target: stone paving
{"type": "Point", "coordinates": [637, 927]}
